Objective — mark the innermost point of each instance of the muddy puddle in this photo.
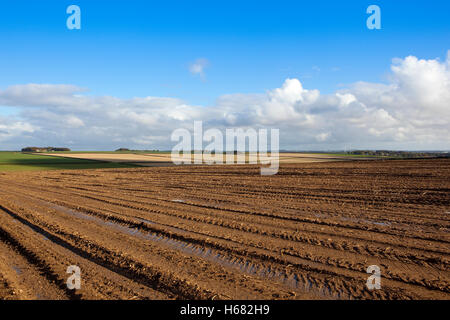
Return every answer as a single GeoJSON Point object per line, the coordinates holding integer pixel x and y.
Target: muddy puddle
{"type": "Point", "coordinates": [357, 220]}
{"type": "Point", "coordinates": [17, 269]}
{"type": "Point", "coordinates": [292, 281]}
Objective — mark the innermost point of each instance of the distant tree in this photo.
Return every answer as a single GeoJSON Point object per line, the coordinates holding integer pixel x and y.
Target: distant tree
{"type": "Point", "coordinates": [59, 149]}
{"type": "Point", "coordinates": [122, 149]}
{"type": "Point", "coordinates": [43, 149]}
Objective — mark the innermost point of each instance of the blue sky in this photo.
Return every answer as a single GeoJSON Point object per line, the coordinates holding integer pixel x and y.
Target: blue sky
{"type": "Point", "coordinates": [131, 49]}
{"type": "Point", "coordinates": [140, 48]}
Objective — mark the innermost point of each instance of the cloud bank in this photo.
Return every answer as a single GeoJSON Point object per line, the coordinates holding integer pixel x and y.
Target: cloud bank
{"type": "Point", "coordinates": [411, 111]}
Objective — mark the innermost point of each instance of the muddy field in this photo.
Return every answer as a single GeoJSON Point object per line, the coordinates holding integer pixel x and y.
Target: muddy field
{"type": "Point", "coordinates": [225, 232]}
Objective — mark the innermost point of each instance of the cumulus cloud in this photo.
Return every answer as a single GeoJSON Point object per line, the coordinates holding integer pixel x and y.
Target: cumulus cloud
{"type": "Point", "coordinates": [411, 111]}
{"type": "Point", "coordinates": [38, 94]}
{"type": "Point", "coordinates": [10, 129]}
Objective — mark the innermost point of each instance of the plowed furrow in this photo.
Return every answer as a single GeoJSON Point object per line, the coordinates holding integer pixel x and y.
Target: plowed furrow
{"type": "Point", "coordinates": [226, 232]}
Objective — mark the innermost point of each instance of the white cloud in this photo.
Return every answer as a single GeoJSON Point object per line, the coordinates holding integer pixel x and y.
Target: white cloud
{"type": "Point", "coordinates": [198, 67]}
{"type": "Point", "coordinates": [322, 136]}
{"type": "Point", "coordinates": [73, 121]}
{"type": "Point", "coordinates": [38, 94]}
{"type": "Point", "coordinates": [412, 111]}
{"type": "Point", "coordinates": [12, 129]}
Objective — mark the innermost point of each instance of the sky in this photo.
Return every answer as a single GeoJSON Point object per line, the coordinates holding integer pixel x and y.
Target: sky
{"type": "Point", "coordinates": [137, 70]}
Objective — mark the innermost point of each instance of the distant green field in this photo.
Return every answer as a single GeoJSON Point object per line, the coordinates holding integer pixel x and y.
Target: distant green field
{"type": "Point", "coordinates": [17, 161]}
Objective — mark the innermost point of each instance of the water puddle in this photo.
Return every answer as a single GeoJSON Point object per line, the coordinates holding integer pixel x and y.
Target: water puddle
{"type": "Point", "coordinates": [357, 220]}
{"type": "Point", "coordinates": [290, 280]}
{"type": "Point", "coordinates": [170, 228]}
{"type": "Point", "coordinates": [178, 200]}
{"type": "Point", "coordinates": [17, 270]}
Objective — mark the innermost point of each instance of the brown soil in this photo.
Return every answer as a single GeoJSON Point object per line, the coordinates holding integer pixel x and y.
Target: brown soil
{"type": "Point", "coordinates": [221, 232]}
